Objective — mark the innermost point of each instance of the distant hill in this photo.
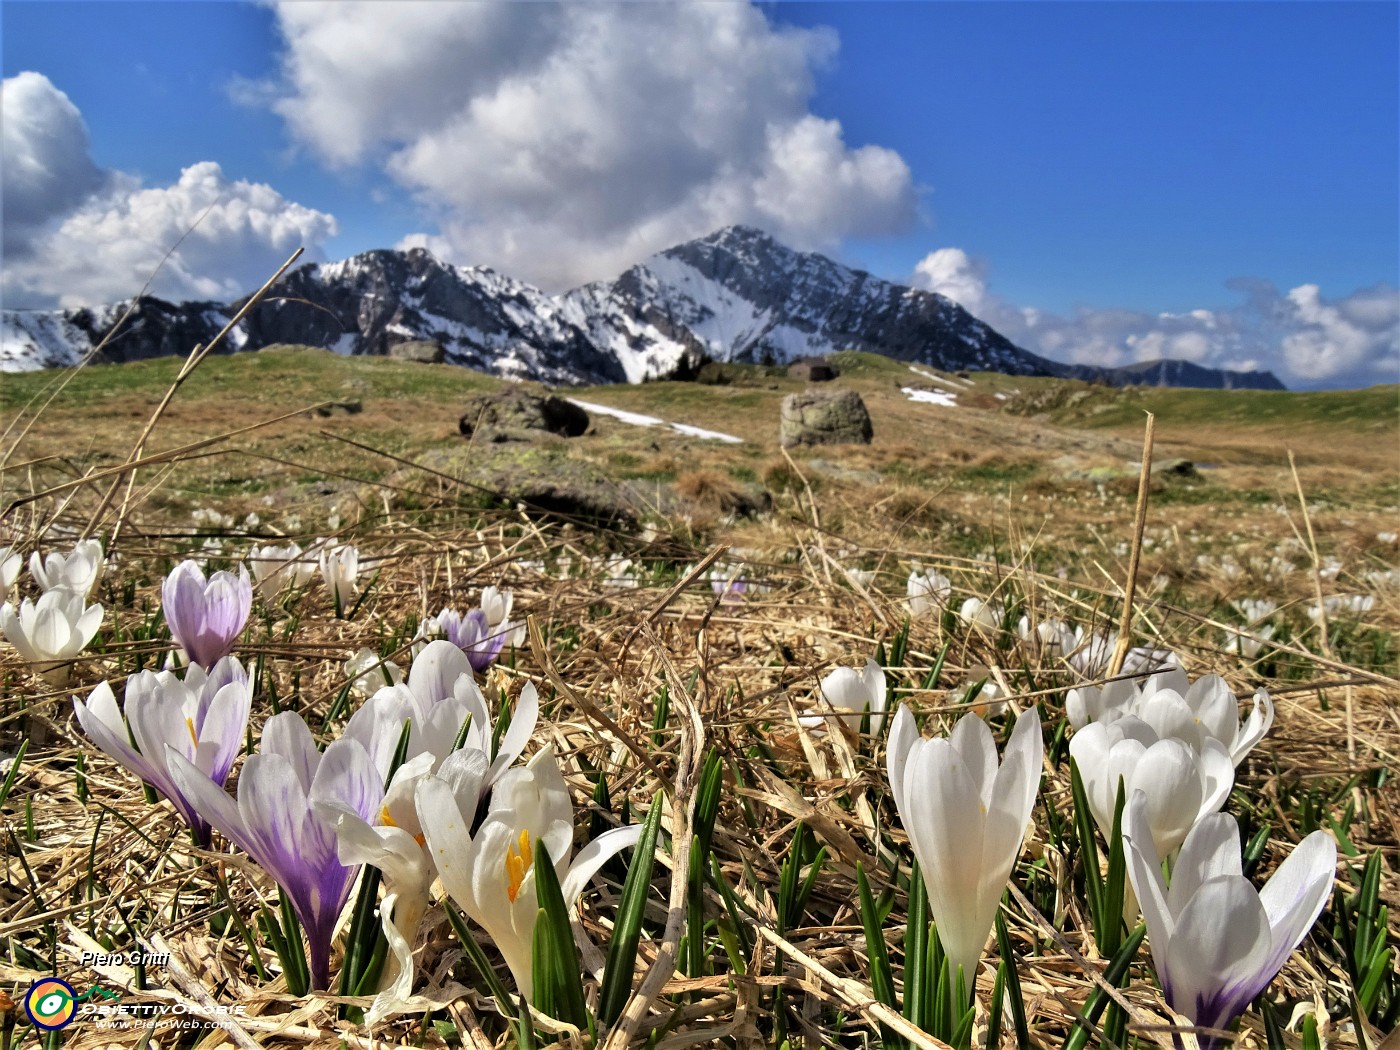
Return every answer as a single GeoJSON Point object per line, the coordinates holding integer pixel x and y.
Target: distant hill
{"type": "Point", "coordinates": [735, 295]}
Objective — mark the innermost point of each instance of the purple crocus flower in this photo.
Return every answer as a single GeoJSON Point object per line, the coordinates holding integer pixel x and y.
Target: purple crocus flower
{"type": "Point", "coordinates": [202, 719]}
{"type": "Point", "coordinates": [206, 618]}
{"type": "Point", "coordinates": [1216, 941]}
{"type": "Point", "coordinates": [472, 634]}
{"type": "Point", "coordinates": [289, 798]}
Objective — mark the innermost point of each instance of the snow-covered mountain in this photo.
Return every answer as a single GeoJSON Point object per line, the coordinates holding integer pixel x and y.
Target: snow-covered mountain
{"type": "Point", "coordinates": [736, 295]}
{"type": "Point", "coordinates": [739, 295]}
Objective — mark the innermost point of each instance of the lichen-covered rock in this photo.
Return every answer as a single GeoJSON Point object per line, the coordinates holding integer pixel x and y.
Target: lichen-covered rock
{"type": "Point", "coordinates": [541, 476]}
{"type": "Point", "coordinates": [824, 417]}
{"type": "Point", "coordinates": [424, 351]}
{"type": "Point", "coordinates": [513, 413]}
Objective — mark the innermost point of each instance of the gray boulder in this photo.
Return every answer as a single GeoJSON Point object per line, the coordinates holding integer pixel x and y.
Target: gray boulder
{"type": "Point", "coordinates": [516, 414]}
{"type": "Point", "coordinates": [543, 476]}
{"type": "Point", "coordinates": [424, 351]}
{"type": "Point", "coordinates": [824, 417]}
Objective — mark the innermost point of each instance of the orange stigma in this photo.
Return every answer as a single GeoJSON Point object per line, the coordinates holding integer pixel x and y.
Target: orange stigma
{"type": "Point", "coordinates": [518, 861]}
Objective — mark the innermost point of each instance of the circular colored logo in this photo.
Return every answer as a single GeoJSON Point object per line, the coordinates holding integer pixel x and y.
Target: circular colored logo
{"type": "Point", "coordinates": [50, 1004]}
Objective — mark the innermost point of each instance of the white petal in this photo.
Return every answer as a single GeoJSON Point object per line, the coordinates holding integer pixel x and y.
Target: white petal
{"type": "Point", "coordinates": [972, 740]}
{"type": "Point", "coordinates": [1211, 848]}
{"type": "Point", "coordinates": [1254, 728]}
{"type": "Point", "coordinates": [1167, 772]}
{"type": "Point", "coordinates": [1145, 875]}
{"type": "Point", "coordinates": [1214, 703]}
{"type": "Point", "coordinates": [946, 827]}
{"type": "Point", "coordinates": [102, 722]}
{"type": "Point", "coordinates": [594, 856]}
{"type": "Point", "coordinates": [877, 687]}
{"type": "Point", "coordinates": [449, 842]}
{"type": "Point", "coordinates": [1297, 893]}
{"type": "Point", "coordinates": [286, 734]}
{"type": "Point", "coordinates": [903, 741]}
{"type": "Point", "coordinates": [518, 733]}
{"type": "Point", "coordinates": [1171, 718]}
{"type": "Point", "coordinates": [436, 669]}
{"type": "Point", "coordinates": [1215, 961]}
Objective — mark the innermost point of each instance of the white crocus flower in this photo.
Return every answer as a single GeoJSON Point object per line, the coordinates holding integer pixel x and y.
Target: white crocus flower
{"type": "Point", "coordinates": [1093, 650]}
{"type": "Point", "coordinates": [10, 564]}
{"type": "Point", "coordinates": [1051, 637]}
{"type": "Point", "coordinates": [51, 632]}
{"type": "Point", "coordinates": [1248, 646]}
{"type": "Point", "coordinates": [1216, 941]}
{"type": "Point", "coordinates": [369, 672]}
{"type": "Point", "coordinates": [862, 578]}
{"type": "Point", "coordinates": [976, 613]}
{"type": "Point", "coordinates": [966, 817]}
{"type": "Point", "coordinates": [1181, 784]}
{"type": "Point", "coordinates": [990, 700]}
{"type": "Point", "coordinates": [340, 565]}
{"type": "Point", "coordinates": [395, 845]}
{"type": "Point", "coordinates": [437, 697]}
{"type": "Point", "coordinates": [491, 874]}
{"type": "Point", "coordinates": [1193, 711]}
{"type": "Point", "coordinates": [927, 592]}
{"type": "Point", "coordinates": [428, 630]}
{"type": "Point", "coordinates": [619, 573]}
{"type": "Point", "coordinates": [1255, 610]}
{"type": "Point", "coordinates": [846, 689]}
{"type": "Point", "coordinates": [275, 568]}
{"type": "Point", "coordinates": [78, 572]}
{"type": "Point", "coordinates": [495, 606]}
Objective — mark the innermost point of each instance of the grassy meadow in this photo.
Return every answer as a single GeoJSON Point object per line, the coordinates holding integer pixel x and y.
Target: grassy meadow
{"type": "Point", "coordinates": [654, 684]}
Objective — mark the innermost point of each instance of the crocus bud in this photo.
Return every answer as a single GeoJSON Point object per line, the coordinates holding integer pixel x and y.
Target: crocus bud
{"type": "Point", "coordinates": [206, 617]}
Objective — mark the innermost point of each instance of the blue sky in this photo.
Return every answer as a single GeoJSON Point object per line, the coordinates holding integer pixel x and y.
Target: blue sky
{"type": "Point", "coordinates": [1102, 181]}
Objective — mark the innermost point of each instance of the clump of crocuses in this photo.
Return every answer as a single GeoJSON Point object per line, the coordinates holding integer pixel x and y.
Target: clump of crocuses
{"type": "Point", "coordinates": [206, 616]}
{"type": "Point", "coordinates": [201, 718]}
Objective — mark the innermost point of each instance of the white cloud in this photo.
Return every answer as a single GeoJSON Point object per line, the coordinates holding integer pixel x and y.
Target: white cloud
{"type": "Point", "coordinates": [1352, 336]}
{"type": "Point", "coordinates": [95, 236]}
{"type": "Point", "coordinates": [44, 154]}
{"type": "Point", "coordinates": [950, 272]}
{"type": "Point", "coordinates": [1301, 337]}
{"type": "Point", "coordinates": [563, 143]}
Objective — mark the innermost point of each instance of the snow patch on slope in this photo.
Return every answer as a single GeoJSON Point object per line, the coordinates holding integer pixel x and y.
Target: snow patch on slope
{"type": "Point", "coordinates": [637, 419]}
{"type": "Point", "coordinates": [930, 397]}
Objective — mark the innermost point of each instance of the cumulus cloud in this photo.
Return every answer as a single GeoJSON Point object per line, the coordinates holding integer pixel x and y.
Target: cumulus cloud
{"type": "Point", "coordinates": [562, 143]}
{"type": "Point", "coordinates": [1305, 339]}
{"type": "Point", "coordinates": [76, 235]}
{"type": "Point", "coordinates": [1356, 334]}
{"type": "Point", "coordinates": [952, 273]}
{"type": "Point", "coordinates": [44, 154]}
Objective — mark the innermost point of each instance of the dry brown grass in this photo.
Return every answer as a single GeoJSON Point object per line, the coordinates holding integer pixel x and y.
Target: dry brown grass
{"type": "Point", "coordinates": [100, 862]}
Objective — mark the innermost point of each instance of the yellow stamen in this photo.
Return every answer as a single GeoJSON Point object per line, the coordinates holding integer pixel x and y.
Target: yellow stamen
{"type": "Point", "coordinates": [193, 737]}
{"type": "Point", "coordinates": [518, 861]}
{"type": "Point", "coordinates": [387, 820]}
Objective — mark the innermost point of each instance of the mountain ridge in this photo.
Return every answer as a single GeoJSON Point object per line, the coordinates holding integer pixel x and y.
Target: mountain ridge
{"type": "Point", "coordinates": [734, 295]}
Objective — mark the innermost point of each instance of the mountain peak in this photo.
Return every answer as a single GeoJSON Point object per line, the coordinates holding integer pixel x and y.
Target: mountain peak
{"type": "Point", "coordinates": [736, 294]}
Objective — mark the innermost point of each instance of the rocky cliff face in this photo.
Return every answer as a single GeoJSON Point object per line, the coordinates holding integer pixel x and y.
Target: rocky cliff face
{"type": "Point", "coordinates": [736, 295]}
